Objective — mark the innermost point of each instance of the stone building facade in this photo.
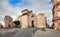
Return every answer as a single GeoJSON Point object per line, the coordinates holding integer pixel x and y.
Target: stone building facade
{"type": "Point", "coordinates": [41, 20]}
{"type": "Point", "coordinates": [8, 22]}
{"type": "Point", "coordinates": [56, 13]}
{"type": "Point", "coordinates": [28, 19]}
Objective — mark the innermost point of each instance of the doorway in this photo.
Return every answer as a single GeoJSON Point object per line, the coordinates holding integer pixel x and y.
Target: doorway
{"type": "Point", "coordinates": [32, 23]}
{"type": "Point", "coordinates": [59, 25]}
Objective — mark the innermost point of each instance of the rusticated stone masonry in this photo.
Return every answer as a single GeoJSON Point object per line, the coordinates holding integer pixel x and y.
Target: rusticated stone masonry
{"type": "Point", "coordinates": [56, 14]}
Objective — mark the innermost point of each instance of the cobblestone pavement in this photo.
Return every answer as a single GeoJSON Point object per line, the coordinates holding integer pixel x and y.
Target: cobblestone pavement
{"type": "Point", "coordinates": [29, 32]}
{"type": "Point", "coordinates": [8, 32]}
{"type": "Point", "coordinates": [47, 33]}
{"type": "Point", "coordinates": [25, 32]}
{"type": "Point", "coordinates": [17, 32]}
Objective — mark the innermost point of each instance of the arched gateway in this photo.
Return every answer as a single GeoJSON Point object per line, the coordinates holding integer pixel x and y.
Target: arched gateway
{"type": "Point", "coordinates": [28, 19]}
{"type": "Point", "coordinates": [56, 14]}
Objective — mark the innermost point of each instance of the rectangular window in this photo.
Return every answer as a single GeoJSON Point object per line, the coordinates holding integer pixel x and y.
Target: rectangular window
{"type": "Point", "coordinates": [58, 0]}
{"type": "Point", "coordinates": [59, 13]}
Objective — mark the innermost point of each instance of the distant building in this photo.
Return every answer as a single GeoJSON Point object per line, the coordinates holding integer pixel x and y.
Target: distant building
{"type": "Point", "coordinates": [8, 21]}
{"type": "Point", "coordinates": [28, 19]}
{"type": "Point", "coordinates": [56, 13]}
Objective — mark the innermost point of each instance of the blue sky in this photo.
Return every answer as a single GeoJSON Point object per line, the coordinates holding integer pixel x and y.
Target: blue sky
{"type": "Point", "coordinates": [14, 8]}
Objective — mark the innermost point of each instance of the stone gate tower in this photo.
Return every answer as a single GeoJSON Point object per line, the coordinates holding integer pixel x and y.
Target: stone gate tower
{"type": "Point", "coordinates": [56, 13]}
{"type": "Point", "coordinates": [28, 19]}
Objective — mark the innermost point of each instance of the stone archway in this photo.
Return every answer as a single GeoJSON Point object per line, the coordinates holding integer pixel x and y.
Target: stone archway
{"type": "Point", "coordinates": [32, 23]}
{"type": "Point", "coordinates": [56, 24]}
{"type": "Point", "coordinates": [59, 25]}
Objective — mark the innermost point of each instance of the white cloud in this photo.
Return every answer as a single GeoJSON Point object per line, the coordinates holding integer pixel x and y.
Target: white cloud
{"type": "Point", "coordinates": [39, 5]}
